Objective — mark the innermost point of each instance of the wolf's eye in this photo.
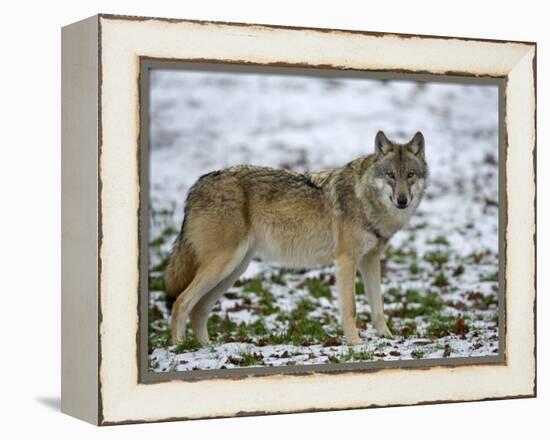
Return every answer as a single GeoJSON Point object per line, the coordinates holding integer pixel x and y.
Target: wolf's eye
{"type": "Point", "coordinates": [410, 175]}
{"type": "Point", "coordinates": [390, 175]}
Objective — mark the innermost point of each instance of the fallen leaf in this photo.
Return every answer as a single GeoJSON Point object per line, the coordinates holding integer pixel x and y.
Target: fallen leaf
{"type": "Point", "coordinates": [332, 341]}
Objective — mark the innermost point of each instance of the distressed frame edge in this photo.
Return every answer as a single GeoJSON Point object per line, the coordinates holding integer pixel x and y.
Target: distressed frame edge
{"type": "Point", "coordinates": [531, 53]}
{"type": "Point", "coordinates": [128, 17]}
{"type": "Point", "coordinates": [102, 421]}
{"type": "Point", "coordinates": [314, 410]}
{"type": "Point", "coordinates": [80, 121]}
{"type": "Point", "coordinates": [535, 195]}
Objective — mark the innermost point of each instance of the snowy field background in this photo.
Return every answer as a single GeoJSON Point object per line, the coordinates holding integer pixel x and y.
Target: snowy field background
{"type": "Point", "coordinates": [440, 274]}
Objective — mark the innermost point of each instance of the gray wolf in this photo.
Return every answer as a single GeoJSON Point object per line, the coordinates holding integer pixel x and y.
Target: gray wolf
{"type": "Point", "coordinates": [344, 216]}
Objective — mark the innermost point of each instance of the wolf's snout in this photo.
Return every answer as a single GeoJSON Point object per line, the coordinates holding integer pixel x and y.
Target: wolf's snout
{"type": "Point", "coordinates": [402, 202]}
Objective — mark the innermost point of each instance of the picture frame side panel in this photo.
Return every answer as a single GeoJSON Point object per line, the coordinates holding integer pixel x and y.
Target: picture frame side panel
{"type": "Point", "coordinates": [80, 220]}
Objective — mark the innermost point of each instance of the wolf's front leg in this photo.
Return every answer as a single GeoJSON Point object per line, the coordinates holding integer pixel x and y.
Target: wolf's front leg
{"type": "Point", "coordinates": [345, 285]}
{"type": "Point", "coordinates": [369, 266]}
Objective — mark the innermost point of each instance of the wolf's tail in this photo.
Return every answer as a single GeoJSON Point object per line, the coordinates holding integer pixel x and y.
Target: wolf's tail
{"type": "Point", "coordinates": [180, 270]}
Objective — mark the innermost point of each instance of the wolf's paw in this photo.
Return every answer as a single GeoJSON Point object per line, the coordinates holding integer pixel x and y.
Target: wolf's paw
{"type": "Point", "coordinates": [384, 331]}
{"type": "Point", "coordinates": [356, 340]}
{"type": "Point", "coordinates": [204, 341]}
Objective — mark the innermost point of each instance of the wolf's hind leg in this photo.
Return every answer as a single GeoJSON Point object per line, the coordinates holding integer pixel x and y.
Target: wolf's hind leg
{"type": "Point", "coordinates": [369, 266]}
{"type": "Point", "coordinates": [199, 314]}
{"type": "Point", "coordinates": [208, 276]}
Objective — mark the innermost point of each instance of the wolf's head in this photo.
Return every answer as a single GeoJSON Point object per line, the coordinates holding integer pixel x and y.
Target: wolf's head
{"type": "Point", "coordinates": [400, 170]}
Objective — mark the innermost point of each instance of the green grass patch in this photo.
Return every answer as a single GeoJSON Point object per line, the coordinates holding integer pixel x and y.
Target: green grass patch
{"type": "Point", "coordinates": [417, 353]}
{"type": "Point", "coordinates": [440, 326]}
{"type": "Point", "coordinates": [317, 288]}
{"type": "Point", "coordinates": [478, 257]}
{"type": "Point", "coordinates": [441, 280]}
{"type": "Point", "coordinates": [459, 270]}
{"type": "Point", "coordinates": [163, 212]}
{"type": "Point", "coordinates": [405, 328]}
{"type": "Point", "coordinates": [267, 303]}
{"type": "Point", "coordinates": [166, 235]}
{"type": "Point", "coordinates": [395, 294]}
{"type": "Point", "coordinates": [247, 359]}
{"type": "Point", "coordinates": [355, 356]}
{"type": "Point", "coordinates": [491, 277]}
{"type": "Point", "coordinates": [363, 319]}
{"type": "Point", "coordinates": [187, 344]}
{"type": "Point", "coordinates": [427, 305]}
{"type": "Point", "coordinates": [253, 285]}
{"type": "Point", "coordinates": [159, 335]}
{"type": "Point", "coordinates": [400, 256]}
{"type": "Point", "coordinates": [438, 259]}
{"type": "Point", "coordinates": [489, 300]}
{"type": "Point", "coordinates": [414, 268]}
{"type": "Point", "coordinates": [413, 296]}
{"type": "Point", "coordinates": [303, 307]}
{"type": "Point", "coordinates": [161, 265]}
{"type": "Point", "coordinates": [359, 286]}
{"type": "Point", "coordinates": [159, 339]}
{"type": "Point", "coordinates": [440, 239]}
{"type": "Point", "coordinates": [156, 284]}
{"type": "Point", "coordinates": [169, 231]}
{"type": "Point", "coordinates": [283, 316]}
{"type": "Point", "coordinates": [277, 279]}
{"type": "Point", "coordinates": [258, 328]}
{"type": "Point", "coordinates": [220, 328]}
{"type": "Point", "coordinates": [224, 330]}
{"type": "Point", "coordinates": [157, 242]}
{"type": "Point", "coordinates": [301, 330]}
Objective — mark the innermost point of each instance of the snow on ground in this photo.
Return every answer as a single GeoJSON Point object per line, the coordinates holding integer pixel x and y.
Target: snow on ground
{"type": "Point", "coordinates": [440, 275]}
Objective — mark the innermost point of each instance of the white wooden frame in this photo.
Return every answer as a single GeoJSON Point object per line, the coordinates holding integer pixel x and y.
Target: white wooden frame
{"type": "Point", "coordinates": [100, 135]}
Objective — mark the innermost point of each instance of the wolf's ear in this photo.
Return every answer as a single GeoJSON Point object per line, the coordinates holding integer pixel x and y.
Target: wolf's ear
{"type": "Point", "coordinates": [381, 143]}
{"type": "Point", "coordinates": [416, 144]}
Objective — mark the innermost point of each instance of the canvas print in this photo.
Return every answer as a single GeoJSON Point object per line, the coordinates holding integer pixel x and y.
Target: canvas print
{"type": "Point", "coordinates": [313, 220]}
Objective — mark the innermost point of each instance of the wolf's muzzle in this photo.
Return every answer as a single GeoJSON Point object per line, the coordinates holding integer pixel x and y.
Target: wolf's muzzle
{"type": "Point", "coordinates": [402, 202]}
